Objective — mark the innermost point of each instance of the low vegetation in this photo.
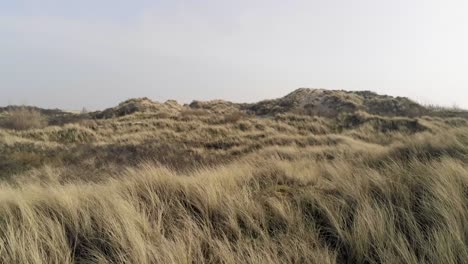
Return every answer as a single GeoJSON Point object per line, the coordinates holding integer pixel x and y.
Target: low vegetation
{"type": "Point", "coordinates": [278, 181]}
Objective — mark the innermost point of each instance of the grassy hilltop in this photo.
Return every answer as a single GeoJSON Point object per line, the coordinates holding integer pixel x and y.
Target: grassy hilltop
{"type": "Point", "coordinates": [316, 176]}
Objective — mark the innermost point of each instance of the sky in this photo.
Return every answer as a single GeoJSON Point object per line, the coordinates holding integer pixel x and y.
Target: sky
{"type": "Point", "coordinates": [95, 54]}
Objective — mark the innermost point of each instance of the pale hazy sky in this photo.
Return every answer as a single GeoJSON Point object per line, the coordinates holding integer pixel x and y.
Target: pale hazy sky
{"type": "Point", "coordinates": [96, 53]}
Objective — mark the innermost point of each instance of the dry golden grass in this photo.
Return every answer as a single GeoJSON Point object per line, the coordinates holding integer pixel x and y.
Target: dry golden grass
{"type": "Point", "coordinates": [261, 211]}
{"type": "Point", "coordinates": [23, 119]}
{"type": "Point", "coordinates": [181, 185]}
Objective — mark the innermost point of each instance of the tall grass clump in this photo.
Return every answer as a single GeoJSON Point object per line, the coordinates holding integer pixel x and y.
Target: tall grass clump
{"type": "Point", "coordinates": [24, 118]}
